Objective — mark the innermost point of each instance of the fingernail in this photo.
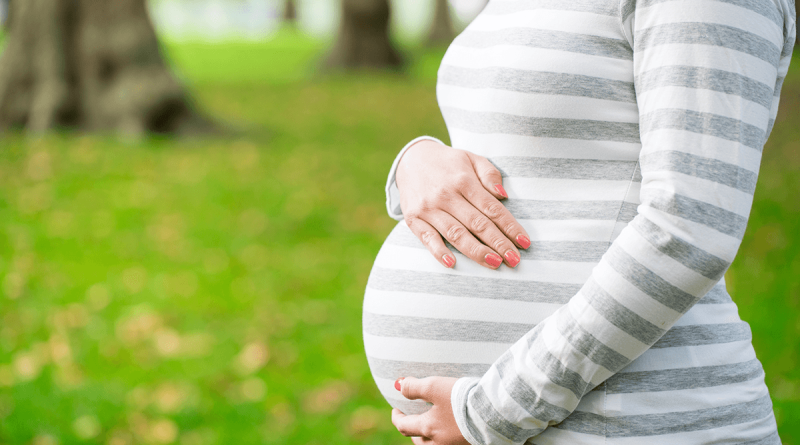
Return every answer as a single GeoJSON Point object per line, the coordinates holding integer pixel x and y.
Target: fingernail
{"type": "Point", "coordinates": [397, 383]}
{"type": "Point", "coordinates": [523, 241]}
{"type": "Point", "coordinates": [493, 259]}
{"type": "Point", "coordinates": [449, 261]}
{"type": "Point", "coordinates": [512, 258]}
{"type": "Point", "coordinates": [501, 190]}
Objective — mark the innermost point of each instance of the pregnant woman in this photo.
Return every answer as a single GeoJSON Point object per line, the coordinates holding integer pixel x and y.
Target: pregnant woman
{"type": "Point", "coordinates": [628, 136]}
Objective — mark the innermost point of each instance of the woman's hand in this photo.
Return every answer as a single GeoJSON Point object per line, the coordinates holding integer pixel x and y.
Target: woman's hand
{"type": "Point", "coordinates": [437, 426]}
{"type": "Point", "coordinates": [456, 194]}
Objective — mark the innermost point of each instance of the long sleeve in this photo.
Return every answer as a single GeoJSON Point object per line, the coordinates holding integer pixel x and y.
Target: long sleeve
{"type": "Point", "coordinates": [707, 76]}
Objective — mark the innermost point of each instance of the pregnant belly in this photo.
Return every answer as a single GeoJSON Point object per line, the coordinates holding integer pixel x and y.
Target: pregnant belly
{"type": "Point", "coordinates": [421, 319]}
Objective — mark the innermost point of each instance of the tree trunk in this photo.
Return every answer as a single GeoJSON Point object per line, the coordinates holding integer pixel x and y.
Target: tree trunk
{"type": "Point", "coordinates": [289, 12]}
{"type": "Point", "coordinates": [88, 64]}
{"type": "Point", "coordinates": [4, 13]}
{"type": "Point", "coordinates": [441, 33]}
{"type": "Point", "coordinates": [363, 40]}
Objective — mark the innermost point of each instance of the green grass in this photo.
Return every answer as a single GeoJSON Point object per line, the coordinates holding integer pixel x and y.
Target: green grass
{"type": "Point", "coordinates": [208, 291]}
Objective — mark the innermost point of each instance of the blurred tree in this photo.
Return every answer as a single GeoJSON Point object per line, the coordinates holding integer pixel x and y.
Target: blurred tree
{"type": "Point", "coordinates": [363, 39]}
{"type": "Point", "coordinates": [88, 64]}
{"type": "Point", "coordinates": [441, 32]}
{"type": "Point", "coordinates": [289, 11]}
{"type": "Point", "coordinates": [4, 13]}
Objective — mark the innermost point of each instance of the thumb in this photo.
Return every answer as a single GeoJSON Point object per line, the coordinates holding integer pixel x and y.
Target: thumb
{"type": "Point", "coordinates": [414, 389]}
{"type": "Point", "coordinates": [490, 177]}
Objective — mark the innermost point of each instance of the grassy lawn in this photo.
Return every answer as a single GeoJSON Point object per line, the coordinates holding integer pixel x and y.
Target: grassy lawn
{"type": "Point", "coordinates": [208, 291]}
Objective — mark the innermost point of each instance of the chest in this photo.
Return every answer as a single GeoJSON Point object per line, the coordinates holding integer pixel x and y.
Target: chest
{"type": "Point", "coordinates": [530, 66]}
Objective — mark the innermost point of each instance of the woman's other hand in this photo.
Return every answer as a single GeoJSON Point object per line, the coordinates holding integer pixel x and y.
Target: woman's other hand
{"type": "Point", "coordinates": [451, 193]}
{"type": "Point", "coordinates": [437, 426]}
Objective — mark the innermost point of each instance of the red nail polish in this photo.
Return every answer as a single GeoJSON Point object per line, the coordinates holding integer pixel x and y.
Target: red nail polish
{"type": "Point", "coordinates": [448, 261]}
{"type": "Point", "coordinates": [523, 241]}
{"type": "Point", "coordinates": [493, 259]}
{"type": "Point", "coordinates": [397, 384]}
{"type": "Point", "coordinates": [512, 258]}
{"type": "Point", "coordinates": [501, 190]}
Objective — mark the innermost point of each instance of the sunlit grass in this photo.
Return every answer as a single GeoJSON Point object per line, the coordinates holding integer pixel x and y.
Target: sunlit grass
{"type": "Point", "coordinates": [209, 290]}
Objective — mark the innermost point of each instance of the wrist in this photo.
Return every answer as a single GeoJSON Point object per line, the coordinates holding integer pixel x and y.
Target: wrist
{"type": "Point", "coordinates": [392, 194]}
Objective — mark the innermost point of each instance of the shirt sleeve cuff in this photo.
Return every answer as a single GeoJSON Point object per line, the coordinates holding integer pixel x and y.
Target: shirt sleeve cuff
{"type": "Point", "coordinates": [392, 193]}
{"type": "Point", "coordinates": [458, 400]}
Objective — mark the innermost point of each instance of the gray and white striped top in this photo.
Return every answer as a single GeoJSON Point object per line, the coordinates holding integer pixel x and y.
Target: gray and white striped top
{"type": "Point", "coordinates": [629, 134]}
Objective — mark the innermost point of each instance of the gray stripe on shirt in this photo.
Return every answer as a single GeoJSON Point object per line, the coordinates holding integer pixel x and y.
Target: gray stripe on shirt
{"type": "Point", "coordinates": [487, 412]}
{"type": "Point", "coordinates": [704, 334]}
{"type": "Point", "coordinates": [537, 82]}
{"type": "Point", "coordinates": [588, 345]}
{"type": "Point", "coordinates": [704, 168]}
{"type": "Point", "coordinates": [717, 295]}
{"type": "Point", "coordinates": [668, 423]}
{"type": "Point", "coordinates": [521, 392]}
{"type": "Point", "coordinates": [560, 168]}
{"type": "Point", "coordinates": [502, 123]}
{"type": "Point", "coordinates": [563, 210]}
{"type": "Point", "coordinates": [547, 39]}
{"type": "Point", "coordinates": [619, 315]}
{"type": "Point", "coordinates": [394, 369]}
{"type": "Point", "coordinates": [706, 79]}
{"type": "Point", "coordinates": [551, 366]}
{"type": "Point", "coordinates": [700, 212]}
{"type": "Point", "coordinates": [464, 286]}
{"type": "Point", "coordinates": [695, 33]}
{"type": "Point", "coordinates": [704, 123]}
{"type": "Point", "coordinates": [683, 378]}
{"type": "Point", "coordinates": [689, 255]}
{"type": "Point", "coordinates": [443, 329]}
{"type": "Point", "coordinates": [648, 281]}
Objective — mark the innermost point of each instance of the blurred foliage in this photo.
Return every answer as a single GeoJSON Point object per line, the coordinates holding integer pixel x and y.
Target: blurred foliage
{"type": "Point", "coordinates": [208, 291]}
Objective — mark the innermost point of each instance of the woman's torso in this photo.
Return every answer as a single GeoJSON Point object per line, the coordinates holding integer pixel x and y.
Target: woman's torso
{"type": "Point", "coordinates": [544, 89]}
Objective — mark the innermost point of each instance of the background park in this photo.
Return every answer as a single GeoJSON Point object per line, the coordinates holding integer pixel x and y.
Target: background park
{"type": "Point", "coordinates": [187, 266]}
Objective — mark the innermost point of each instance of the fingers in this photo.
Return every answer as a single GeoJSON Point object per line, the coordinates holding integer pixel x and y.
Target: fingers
{"type": "Point", "coordinates": [490, 177]}
{"type": "Point", "coordinates": [502, 219]}
{"type": "Point", "coordinates": [430, 389]}
{"type": "Point", "coordinates": [487, 231]}
{"type": "Point", "coordinates": [432, 240]}
{"type": "Point", "coordinates": [409, 426]}
{"type": "Point", "coordinates": [492, 182]}
{"type": "Point", "coordinates": [463, 240]}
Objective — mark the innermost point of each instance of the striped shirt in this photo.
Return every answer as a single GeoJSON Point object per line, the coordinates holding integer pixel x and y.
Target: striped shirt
{"type": "Point", "coordinates": [629, 134]}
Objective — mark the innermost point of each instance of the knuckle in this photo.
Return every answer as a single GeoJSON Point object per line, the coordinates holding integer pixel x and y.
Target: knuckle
{"type": "Point", "coordinates": [430, 203]}
{"type": "Point", "coordinates": [480, 223]}
{"type": "Point", "coordinates": [427, 430]}
{"type": "Point", "coordinates": [490, 172]}
{"type": "Point", "coordinates": [427, 237]}
{"type": "Point", "coordinates": [407, 388]}
{"type": "Point", "coordinates": [510, 227]}
{"type": "Point", "coordinates": [475, 252]}
{"type": "Point", "coordinates": [456, 233]}
{"type": "Point", "coordinates": [499, 244]}
{"type": "Point", "coordinates": [462, 181]}
{"type": "Point", "coordinates": [494, 210]}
